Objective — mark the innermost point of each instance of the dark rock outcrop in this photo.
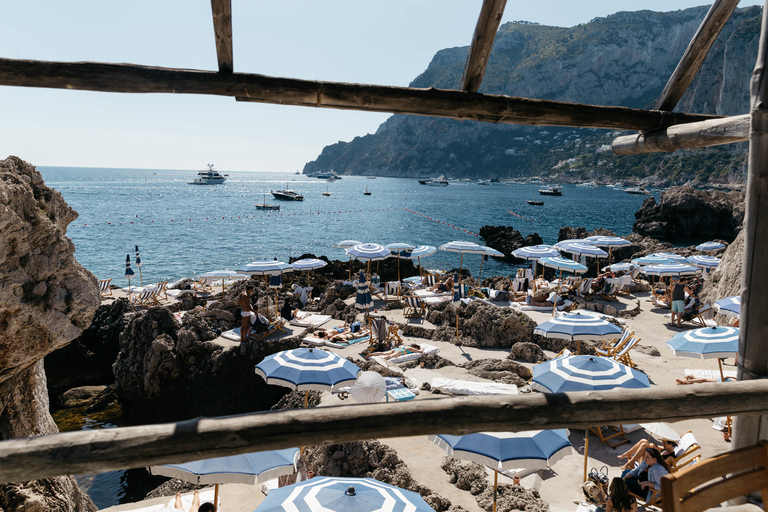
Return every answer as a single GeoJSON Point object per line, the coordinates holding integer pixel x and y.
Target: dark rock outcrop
{"type": "Point", "coordinates": [684, 213]}
{"type": "Point", "coordinates": [504, 370]}
{"type": "Point", "coordinates": [480, 325]}
{"type": "Point", "coordinates": [726, 278]}
{"type": "Point", "coordinates": [46, 300]}
{"type": "Point", "coordinates": [506, 239]}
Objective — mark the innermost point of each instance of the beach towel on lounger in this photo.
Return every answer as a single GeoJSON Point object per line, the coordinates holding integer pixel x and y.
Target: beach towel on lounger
{"type": "Point", "coordinates": [428, 349]}
{"type": "Point", "coordinates": [310, 320]}
{"type": "Point", "coordinates": [466, 387]}
{"type": "Point", "coordinates": [205, 496]}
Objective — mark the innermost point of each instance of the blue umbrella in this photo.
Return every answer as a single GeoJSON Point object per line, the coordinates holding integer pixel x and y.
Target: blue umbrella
{"type": "Point", "coordinates": [573, 241]}
{"type": "Point", "coordinates": [462, 247]}
{"type": "Point", "coordinates": [308, 264]}
{"type": "Point", "coordinates": [709, 246]}
{"type": "Point", "coordinates": [581, 248]}
{"type": "Point", "coordinates": [577, 326]}
{"type": "Point", "coordinates": [248, 468]}
{"type": "Point", "coordinates": [703, 261]}
{"type": "Point", "coordinates": [729, 306]}
{"type": "Point", "coordinates": [307, 368]}
{"type": "Point", "coordinates": [138, 264]}
{"type": "Point", "coordinates": [610, 242]}
{"type": "Point", "coordinates": [342, 494]}
{"type": "Point", "coordinates": [369, 253]}
{"type": "Point", "coordinates": [128, 272]}
{"type": "Point", "coordinates": [417, 253]}
{"type": "Point", "coordinates": [670, 255]}
{"type": "Point", "coordinates": [502, 451]}
{"type": "Point", "coordinates": [671, 269]}
{"type": "Point", "coordinates": [561, 264]}
{"type": "Point", "coordinates": [618, 267]}
{"type": "Point", "coordinates": [585, 373]}
{"type": "Point", "coordinates": [363, 299]}
{"type": "Point", "coordinates": [534, 252]}
{"type": "Point", "coordinates": [652, 260]}
{"type": "Point", "coordinates": [706, 343]}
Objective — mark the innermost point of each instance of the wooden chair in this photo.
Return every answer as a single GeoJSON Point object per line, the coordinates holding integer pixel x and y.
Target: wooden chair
{"type": "Point", "coordinates": [689, 455]}
{"type": "Point", "coordinates": [104, 288]}
{"type": "Point", "coordinates": [146, 298]}
{"type": "Point", "coordinates": [414, 307]}
{"type": "Point", "coordinates": [614, 435]}
{"type": "Point", "coordinates": [717, 479]}
{"type": "Point", "coordinates": [160, 291]}
{"type": "Point", "coordinates": [704, 317]}
{"type": "Point", "coordinates": [622, 355]}
{"type": "Point", "coordinates": [610, 347]}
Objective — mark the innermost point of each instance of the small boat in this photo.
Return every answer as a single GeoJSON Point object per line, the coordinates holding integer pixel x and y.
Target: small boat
{"type": "Point", "coordinates": [371, 177]}
{"type": "Point", "coordinates": [591, 184]}
{"type": "Point", "coordinates": [535, 203]}
{"type": "Point", "coordinates": [287, 195]}
{"type": "Point", "coordinates": [439, 182]}
{"type": "Point", "coordinates": [265, 206]}
{"type": "Point", "coordinates": [327, 175]}
{"type": "Point", "coordinates": [495, 180]}
{"type": "Point", "coordinates": [551, 191]}
{"type": "Point", "coordinates": [297, 172]}
{"type": "Point", "coordinates": [209, 177]}
{"type": "Point", "coordinates": [366, 193]}
{"type": "Point", "coordinates": [326, 193]}
{"type": "Point", "coordinates": [483, 182]}
{"type": "Point", "coordinates": [640, 191]}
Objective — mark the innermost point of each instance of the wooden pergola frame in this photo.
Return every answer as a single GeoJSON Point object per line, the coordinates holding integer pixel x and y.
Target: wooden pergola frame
{"type": "Point", "coordinates": [659, 130]}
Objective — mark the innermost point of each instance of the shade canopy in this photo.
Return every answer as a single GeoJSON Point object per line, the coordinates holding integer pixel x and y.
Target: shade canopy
{"type": "Point", "coordinates": [304, 369]}
{"type": "Point", "coordinates": [400, 246]}
{"type": "Point", "coordinates": [265, 268]}
{"type": "Point", "coordinates": [308, 264]}
{"type": "Point", "coordinates": [709, 246]}
{"type": "Point", "coordinates": [369, 252]}
{"type": "Point", "coordinates": [564, 264]}
{"type": "Point", "coordinates": [346, 243]}
{"type": "Point", "coordinates": [342, 494]}
{"type": "Point", "coordinates": [730, 306]}
{"type": "Point", "coordinates": [706, 343]}
{"type": "Point", "coordinates": [585, 373]}
{"type": "Point", "coordinates": [661, 430]}
{"type": "Point", "coordinates": [534, 252]}
{"type": "Point", "coordinates": [652, 260]}
{"type": "Point", "coordinates": [490, 251]}
{"type": "Point", "coordinates": [608, 241]}
{"type": "Point", "coordinates": [573, 241]}
{"type": "Point", "coordinates": [369, 388]}
{"type": "Point", "coordinates": [462, 247]}
{"type": "Point", "coordinates": [577, 326]}
{"type": "Point", "coordinates": [671, 269]}
{"type": "Point", "coordinates": [703, 261]}
{"type": "Point", "coordinates": [502, 451]}
{"type": "Point", "coordinates": [421, 251]}
{"type": "Point", "coordinates": [363, 299]}
{"type": "Point", "coordinates": [248, 468]}
{"type": "Point", "coordinates": [582, 249]}
{"type": "Point", "coordinates": [222, 274]}
{"type": "Point", "coordinates": [619, 267]}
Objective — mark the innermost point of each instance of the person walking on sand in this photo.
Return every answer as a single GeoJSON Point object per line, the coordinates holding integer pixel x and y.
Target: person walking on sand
{"type": "Point", "coordinates": [246, 310]}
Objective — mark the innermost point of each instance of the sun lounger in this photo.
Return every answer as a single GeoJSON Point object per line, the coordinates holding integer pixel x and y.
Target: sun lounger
{"type": "Point", "coordinates": [269, 485]}
{"type": "Point", "coordinates": [175, 294]}
{"type": "Point", "coordinates": [186, 499]}
{"type": "Point", "coordinates": [147, 298]}
{"type": "Point", "coordinates": [685, 452]}
{"type": "Point", "coordinates": [529, 307]}
{"type": "Point", "coordinates": [427, 349]}
{"type": "Point", "coordinates": [424, 294]}
{"type": "Point", "coordinates": [710, 374]}
{"type": "Point", "coordinates": [414, 307]}
{"type": "Point", "coordinates": [466, 387]}
{"type": "Point", "coordinates": [304, 319]}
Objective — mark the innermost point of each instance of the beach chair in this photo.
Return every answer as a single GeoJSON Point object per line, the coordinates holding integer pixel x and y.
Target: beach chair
{"type": "Point", "coordinates": [104, 288]}
{"type": "Point", "coordinates": [622, 355]}
{"type": "Point", "coordinates": [611, 435]}
{"type": "Point", "coordinates": [274, 326]}
{"type": "Point", "coordinates": [202, 285]}
{"type": "Point", "coordinates": [584, 290]}
{"type": "Point", "coordinates": [414, 308]}
{"type": "Point", "coordinates": [717, 479]}
{"type": "Point", "coordinates": [160, 291]}
{"type": "Point", "coordinates": [689, 447]}
{"type": "Point", "coordinates": [624, 281]}
{"type": "Point", "coordinates": [430, 279]}
{"type": "Point", "coordinates": [610, 289]}
{"type": "Point", "coordinates": [146, 298]}
{"type": "Point", "coordinates": [703, 317]}
{"type": "Point", "coordinates": [609, 348]}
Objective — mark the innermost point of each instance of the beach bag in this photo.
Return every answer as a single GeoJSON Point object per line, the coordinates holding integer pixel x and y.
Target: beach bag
{"type": "Point", "coordinates": [599, 477]}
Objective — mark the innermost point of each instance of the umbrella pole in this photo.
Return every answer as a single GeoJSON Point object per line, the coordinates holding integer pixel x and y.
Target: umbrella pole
{"type": "Point", "coordinates": [350, 268]}
{"type": "Point", "coordinates": [495, 487]}
{"type": "Point", "coordinates": [586, 451]}
{"type": "Point", "coordinates": [722, 379]}
{"type": "Point", "coordinates": [480, 277]}
{"type": "Point", "coordinates": [141, 279]}
{"type": "Point", "coordinates": [129, 289]}
{"type": "Point", "coordinates": [419, 260]}
{"type": "Point", "coordinates": [557, 290]}
{"type": "Point", "coordinates": [216, 498]}
{"type": "Point", "coordinates": [398, 275]}
{"type": "Point", "coordinates": [275, 302]}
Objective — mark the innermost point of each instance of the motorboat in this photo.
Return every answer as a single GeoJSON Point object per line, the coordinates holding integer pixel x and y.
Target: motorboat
{"type": "Point", "coordinates": [209, 177]}
{"type": "Point", "coordinates": [439, 182]}
{"type": "Point", "coordinates": [265, 206]}
{"type": "Point", "coordinates": [640, 191]}
{"type": "Point", "coordinates": [327, 176]}
{"type": "Point", "coordinates": [552, 190]}
{"type": "Point", "coordinates": [287, 195]}
{"type": "Point", "coordinates": [483, 182]}
{"type": "Point", "coordinates": [535, 203]}
{"type": "Point", "coordinates": [590, 184]}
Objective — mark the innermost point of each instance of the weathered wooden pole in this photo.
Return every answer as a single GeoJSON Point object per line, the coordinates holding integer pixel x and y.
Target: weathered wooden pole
{"type": "Point", "coordinates": [752, 360]}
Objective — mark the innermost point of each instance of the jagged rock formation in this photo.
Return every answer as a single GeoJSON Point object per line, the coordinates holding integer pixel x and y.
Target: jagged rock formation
{"type": "Point", "coordinates": [623, 59]}
{"type": "Point", "coordinates": [480, 325]}
{"type": "Point", "coordinates": [46, 300]}
{"type": "Point", "coordinates": [726, 278]}
{"type": "Point", "coordinates": [684, 212]}
{"type": "Point", "coordinates": [506, 239]}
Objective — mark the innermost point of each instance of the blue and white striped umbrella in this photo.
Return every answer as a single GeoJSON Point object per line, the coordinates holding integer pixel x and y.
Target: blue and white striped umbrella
{"type": "Point", "coordinates": [369, 252]}
{"type": "Point", "coordinates": [585, 373]}
{"type": "Point", "coordinates": [577, 326]}
{"type": "Point", "coordinates": [138, 258]}
{"type": "Point", "coordinates": [580, 248]}
{"type": "Point", "coordinates": [573, 241]}
{"type": "Point", "coordinates": [400, 246]}
{"type": "Point", "coordinates": [652, 260]}
{"type": "Point", "coordinates": [565, 264]}
{"type": "Point", "coordinates": [677, 258]}
{"type": "Point", "coordinates": [222, 274]}
{"type": "Point", "coordinates": [308, 264]}
{"type": "Point", "coordinates": [608, 241]}
{"type": "Point", "coordinates": [703, 261]}
{"type": "Point", "coordinates": [462, 247]}
{"type": "Point", "coordinates": [247, 468]}
{"type": "Point", "coordinates": [534, 252]}
{"type": "Point", "coordinates": [265, 268]}
{"type": "Point", "coordinates": [421, 251]}
{"type": "Point", "coordinates": [709, 246]}
{"type": "Point", "coordinates": [490, 251]}
{"type": "Point", "coordinates": [671, 269]}
{"type": "Point", "coordinates": [619, 267]}
{"type": "Point", "coordinates": [730, 306]}
{"type": "Point", "coordinates": [304, 369]}
{"type": "Point", "coordinates": [346, 243]}
{"type": "Point", "coordinates": [706, 343]}
{"type": "Point", "coordinates": [502, 451]}
{"type": "Point", "coordinates": [128, 270]}
{"type": "Point", "coordinates": [458, 288]}
{"type": "Point", "coordinates": [328, 494]}
{"type": "Point", "coordinates": [363, 300]}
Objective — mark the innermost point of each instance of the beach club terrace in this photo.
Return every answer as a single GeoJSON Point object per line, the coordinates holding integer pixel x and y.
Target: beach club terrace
{"type": "Point", "coordinates": [659, 129]}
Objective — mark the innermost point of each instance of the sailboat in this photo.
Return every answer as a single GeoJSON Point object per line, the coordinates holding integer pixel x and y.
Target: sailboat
{"type": "Point", "coordinates": [366, 193]}
{"type": "Point", "coordinates": [265, 206]}
{"type": "Point", "coordinates": [326, 193]}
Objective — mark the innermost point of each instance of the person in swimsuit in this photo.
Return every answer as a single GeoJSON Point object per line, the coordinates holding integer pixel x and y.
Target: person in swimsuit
{"type": "Point", "coordinates": [397, 352]}
{"type": "Point", "coordinates": [246, 310]}
{"type": "Point", "coordinates": [445, 286]}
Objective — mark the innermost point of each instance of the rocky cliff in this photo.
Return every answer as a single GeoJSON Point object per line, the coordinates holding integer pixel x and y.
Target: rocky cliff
{"type": "Point", "coordinates": [623, 59]}
{"type": "Point", "coordinates": [46, 300]}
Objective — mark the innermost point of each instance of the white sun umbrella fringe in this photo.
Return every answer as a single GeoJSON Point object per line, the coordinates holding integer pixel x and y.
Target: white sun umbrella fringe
{"type": "Point", "coordinates": [610, 242]}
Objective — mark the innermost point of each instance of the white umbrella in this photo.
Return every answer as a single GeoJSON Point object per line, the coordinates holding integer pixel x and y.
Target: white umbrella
{"type": "Point", "coordinates": [223, 274]}
{"type": "Point", "coordinates": [661, 430]}
{"type": "Point", "coordinates": [308, 264]}
{"type": "Point", "coordinates": [369, 388]}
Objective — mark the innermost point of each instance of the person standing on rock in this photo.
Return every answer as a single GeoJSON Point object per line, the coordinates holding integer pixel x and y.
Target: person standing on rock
{"type": "Point", "coordinates": [246, 310]}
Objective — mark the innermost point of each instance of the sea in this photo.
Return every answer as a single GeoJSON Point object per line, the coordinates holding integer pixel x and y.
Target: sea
{"type": "Point", "coordinates": [183, 230]}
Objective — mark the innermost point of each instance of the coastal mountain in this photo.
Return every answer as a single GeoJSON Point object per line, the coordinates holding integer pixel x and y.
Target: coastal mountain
{"type": "Point", "coordinates": [623, 59]}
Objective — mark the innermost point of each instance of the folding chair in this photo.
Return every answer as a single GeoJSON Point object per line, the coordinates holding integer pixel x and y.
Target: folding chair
{"type": "Point", "coordinates": [622, 356]}
{"type": "Point", "coordinates": [104, 288]}
{"type": "Point", "coordinates": [703, 317]}
{"type": "Point", "coordinates": [690, 446]}
{"type": "Point", "coordinates": [146, 298]}
{"type": "Point", "coordinates": [585, 288]}
{"type": "Point", "coordinates": [624, 281]}
{"type": "Point", "coordinates": [414, 308]}
{"type": "Point", "coordinates": [717, 479]}
{"type": "Point", "coordinates": [430, 279]}
{"type": "Point", "coordinates": [274, 326]}
{"type": "Point", "coordinates": [613, 432]}
{"type": "Point", "coordinates": [160, 291]}
{"type": "Point", "coordinates": [609, 348]}
{"type": "Point", "coordinates": [203, 285]}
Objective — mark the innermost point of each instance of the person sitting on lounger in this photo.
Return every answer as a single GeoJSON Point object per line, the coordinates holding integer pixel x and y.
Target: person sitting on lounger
{"type": "Point", "coordinates": [195, 507]}
{"type": "Point", "coordinates": [666, 448]}
{"type": "Point", "coordinates": [445, 286]}
{"type": "Point", "coordinates": [397, 352]}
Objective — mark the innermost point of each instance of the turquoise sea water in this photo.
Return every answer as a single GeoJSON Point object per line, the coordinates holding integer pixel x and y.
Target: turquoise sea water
{"type": "Point", "coordinates": [183, 230]}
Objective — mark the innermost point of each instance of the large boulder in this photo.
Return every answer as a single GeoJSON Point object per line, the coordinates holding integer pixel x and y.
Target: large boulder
{"type": "Point", "coordinates": [506, 239]}
{"type": "Point", "coordinates": [47, 299]}
{"type": "Point", "coordinates": [480, 325]}
{"type": "Point", "coordinates": [684, 212]}
{"type": "Point", "coordinates": [726, 278]}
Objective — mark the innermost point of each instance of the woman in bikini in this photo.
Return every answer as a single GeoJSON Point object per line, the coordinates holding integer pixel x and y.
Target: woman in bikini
{"type": "Point", "coordinates": [397, 352]}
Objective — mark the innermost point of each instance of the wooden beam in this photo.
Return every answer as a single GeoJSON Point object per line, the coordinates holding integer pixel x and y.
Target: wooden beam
{"type": "Point", "coordinates": [753, 333]}
{"type": "Point", "coordinates": [695, 54]}
{"type": "Point", "coordinates": [222, 27]}
{"type": "Point", "coordinates": [482, 44]}
{"type": "Point", "coordinates": [96, 451]}
{"type": "Point", "coordinates": [130, 78]}
{"type": "Point", "coordinates": [685, 136]}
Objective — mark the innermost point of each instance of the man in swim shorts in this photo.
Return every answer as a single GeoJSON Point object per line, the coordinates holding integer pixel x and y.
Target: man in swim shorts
{"type": "Point", "coordinates": [246, 310]}
{"type": "Point", "coordinates": [678, 301]}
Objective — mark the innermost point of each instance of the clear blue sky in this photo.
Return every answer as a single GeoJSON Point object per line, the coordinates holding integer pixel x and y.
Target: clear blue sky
{"type": "Point", "coordinates": [371, 42]}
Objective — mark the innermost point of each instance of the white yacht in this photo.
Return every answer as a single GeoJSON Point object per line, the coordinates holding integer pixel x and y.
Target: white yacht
{"type": "Point", "coordinates": [590, 184]}
{"type": "Point", "coordinates": [439, 182]}
{"type": "Point", "coordinates": [209, 177]}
